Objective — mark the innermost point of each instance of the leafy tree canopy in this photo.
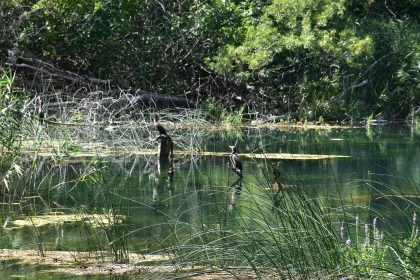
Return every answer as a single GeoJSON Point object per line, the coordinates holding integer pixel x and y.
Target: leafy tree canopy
{"type": "Point", "coordinates": [337, 59]}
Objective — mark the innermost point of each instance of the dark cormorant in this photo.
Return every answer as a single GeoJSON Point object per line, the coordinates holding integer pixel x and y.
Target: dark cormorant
{"type": "Point", "coordinates": [158, 126]}
{"type": "Point", "coordinates": [236, 162]}
{"type": "Point", "coordinates": [162, 131]}
{"type": "Point", "coordinates": [41, 114]}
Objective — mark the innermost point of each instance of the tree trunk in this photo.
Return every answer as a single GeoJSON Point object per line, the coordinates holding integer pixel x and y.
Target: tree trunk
{"type": "Point", "coordinates": [165, 147]}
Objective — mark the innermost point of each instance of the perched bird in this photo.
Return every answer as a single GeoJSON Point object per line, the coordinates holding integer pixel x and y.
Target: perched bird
{"type": "Point", "coordinates": [277, 187]}
{"type": "Point", "coordinates": [162, 131]}
{"type": "Point", "coordinates": [158, 126]}
{"type": "Point", "coordinates": [41, 114]}
{"type": "Point", "coordinates": [236, 162]}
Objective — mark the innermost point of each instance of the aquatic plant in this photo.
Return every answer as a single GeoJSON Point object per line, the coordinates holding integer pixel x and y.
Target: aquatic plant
{"type": "Point", "coordinates": [233, 118]}
{"type": "Point", "coordinates": [292, 233]}
{"type": "Point", "coordinates": [11, 115]}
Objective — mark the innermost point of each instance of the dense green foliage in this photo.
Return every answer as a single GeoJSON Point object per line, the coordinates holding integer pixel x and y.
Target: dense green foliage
{"type": "Point", "coordinates": [345, 59]}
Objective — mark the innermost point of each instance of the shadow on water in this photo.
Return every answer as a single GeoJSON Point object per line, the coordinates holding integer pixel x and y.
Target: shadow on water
{"type": "Point", "coordinates": [148, 203]}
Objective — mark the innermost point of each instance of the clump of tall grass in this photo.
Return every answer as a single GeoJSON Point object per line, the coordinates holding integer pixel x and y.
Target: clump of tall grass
{"type": "Point", "coordinates": [217, 112]}
{"type": "Point", "coordinates": [381, 239]}
{"type": "Point", "coordinates": [11, 116]}
{"type": "Point", "coordinates": [292, 232]}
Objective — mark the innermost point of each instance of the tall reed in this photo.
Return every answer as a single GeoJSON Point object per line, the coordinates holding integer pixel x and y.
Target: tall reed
{"type": "Point", "coordinates": [294, 232]}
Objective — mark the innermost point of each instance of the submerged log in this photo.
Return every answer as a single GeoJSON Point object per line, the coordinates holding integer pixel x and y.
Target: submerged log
{"type": "Point", "coordinates": [159, 99]}
{"type": "Point", "coordinates": [165, 146]}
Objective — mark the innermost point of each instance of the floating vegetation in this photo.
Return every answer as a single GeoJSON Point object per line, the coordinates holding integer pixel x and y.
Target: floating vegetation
{"type": "Point", "coordinates": [292, 156]}
{"type": "Point", "coordinates": [95, 220]}
{"type": "Point", "coordinates": [216, 154]}
{"type": "Point", "coordinates": [277, 156]}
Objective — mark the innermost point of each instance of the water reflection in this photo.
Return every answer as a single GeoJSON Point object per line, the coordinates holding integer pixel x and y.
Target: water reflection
{"type": "Point", "coordinates": [237, 190]}
{"type": "Point", "coordinates": [171, 174]}
{"type": "Point", "coordinates": [167, 187]}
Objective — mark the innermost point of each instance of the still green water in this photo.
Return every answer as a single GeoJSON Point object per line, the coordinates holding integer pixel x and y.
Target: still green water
{"type": "Point", "coordinates": [137, 187]}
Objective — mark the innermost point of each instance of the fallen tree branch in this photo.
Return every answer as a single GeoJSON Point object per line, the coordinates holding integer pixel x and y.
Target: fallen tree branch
{"type": "Point", "coordinates": [162, 99]}
{"type": "Point", "coordinates": [339, 96]}
{"type": "Point", "coordinates": [139, 95]}
{"type": "Point", "coordinates": [73, 77]}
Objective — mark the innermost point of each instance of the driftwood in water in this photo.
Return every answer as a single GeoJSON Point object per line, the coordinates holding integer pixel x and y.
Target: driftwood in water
{"type": "Point", "coordinates": [127, 102]}
{"type": "Point", "coordinates": [158, 99]}
{"type": "Point", "coordinates": [165, 147]}
{"type": "Point", "coordinates": [144, 98]}
{"type": "Point", "coordinates": [273, 119]}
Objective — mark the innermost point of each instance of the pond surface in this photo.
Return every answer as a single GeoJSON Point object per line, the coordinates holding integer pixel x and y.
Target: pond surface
{"type": "Point", "coordinates": [88, 196]}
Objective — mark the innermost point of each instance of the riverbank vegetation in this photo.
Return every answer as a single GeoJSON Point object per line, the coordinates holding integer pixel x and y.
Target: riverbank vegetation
{"type": "Point", "coordinates": [343, 61]}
